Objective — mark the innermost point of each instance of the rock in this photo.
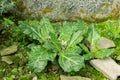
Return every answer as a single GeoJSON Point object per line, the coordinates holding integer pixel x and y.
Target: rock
{"type": "Point", "coordinates": [102, 43]}
{"type": "Point", "coordinates": [9, 50]}
{"type": "Point", "coordinates": [107, 66]}
{"type": "Point", "coordinates": [57, 10]}
{"type": "Point", "coordinates": [118, 57]}
{"type": "Point", "coordinates": [62, 77]}
{"type": "Point", "coordinates": [105, 43]}
{"type": "Point", "coordinates": [8, 59]}
{"type": "Point", "coordinates": [35, 78]}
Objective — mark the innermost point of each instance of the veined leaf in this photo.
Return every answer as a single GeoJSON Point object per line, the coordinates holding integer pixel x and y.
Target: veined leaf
{"type": "Point", "coordinates": [84, 48]}
{"type": "Point", "coordinates": [93, 36]}
{"type": "Point", "coordinates": [37, 30]}
{"type": "Point", "coordinates": [39, 57]}
{"type": "Point", "coordinates": [75, 49]}
{"type": "Point", "coordinates": [48, 45]}
{"type": "Point", "coordinates": [88, 54]}
{"type": "Point", "coordinates": [80, 25]}
{"type": "Point", "coordinates": [71, 62]}
{"type": "Point", "coordinates": [38, 66]}
{"type": "Point", "coordinates": [66, 31]}
{"type": "Point", "coordinates": [103, 53]}
{"type": "Point", "coordinates": [55, 41]}
{"type": "Point", "coordinates": [113, 28]}
{"type": "Point", "coordinates": [46, 28]}
{"type": "Point", "coordinates": [75, 39]}
{"type": "Point", "coordinates": [110, 26]}
{"type": "Point", "coordinates": [31, 29]}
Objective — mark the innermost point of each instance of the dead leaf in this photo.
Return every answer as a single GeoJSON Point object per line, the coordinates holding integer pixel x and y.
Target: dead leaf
{"type": "Point", "coordinates": [9, 50]}
{"type": "Point", "coordinates": [62, 77]}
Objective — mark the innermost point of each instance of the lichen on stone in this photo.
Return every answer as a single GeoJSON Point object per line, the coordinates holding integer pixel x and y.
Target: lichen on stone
{"type": "Point", "coordinates": [56, 10]}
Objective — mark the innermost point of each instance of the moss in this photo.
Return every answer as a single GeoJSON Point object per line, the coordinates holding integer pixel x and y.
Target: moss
{"type": "Point", "coordinates": [20, 6]}
{"type": "Point", "coordinates": [46, 10]}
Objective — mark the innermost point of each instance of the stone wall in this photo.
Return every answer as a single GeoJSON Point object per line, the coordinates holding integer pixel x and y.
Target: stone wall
{"type": "Point", "coordinates": [57, 10]}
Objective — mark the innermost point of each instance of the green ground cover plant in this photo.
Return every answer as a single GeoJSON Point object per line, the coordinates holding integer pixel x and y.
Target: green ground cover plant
{"type": "Point", "coordinates": [44, 43]}
{"type": "Point", "coordinates": [110, 29]}
{"type": "Point", "coordinates": [6, 5]}
{"type": "Point", "coordinates": [67, 43]}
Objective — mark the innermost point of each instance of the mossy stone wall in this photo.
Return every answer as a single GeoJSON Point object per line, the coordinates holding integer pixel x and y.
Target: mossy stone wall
{"type": "Point", "coordinates": [57, 10]}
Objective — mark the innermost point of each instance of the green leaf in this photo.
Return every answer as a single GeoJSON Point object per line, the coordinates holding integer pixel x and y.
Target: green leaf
{"type": "Point", "coordinates": [37, 30]}
{"type": "Point", "coordinates": [71, 62]}
{"type": "Point", "coordinates": [114, 28]}
{"type": "Point", "coordinates": [75, 49]}
{"type": "Point", "coordinates": [55, 41]}
{"type": "Point", "coordinates": [88, 54]}
{"type": "Point", "coordinates": [68, 28]}
{"type": "Point", "coordinates": [103, 53]}
{"type": "Point", "coordinates": [80, 25]}
{"type": "Point", "coordinates": [93, 36]}
{"type": "Point", "coordinates": [39, 57]}
{"type": "Point", "coordinates": [31, 28]}
{"type": "Point", "coordinates": [75, 39]}
{"type": "Point", "coordinates": [84, 48]}
{"type": "Point", "coordinates": [7, 22]}
{"type": "Point", "coordinates": [66, 31]}
{"type": "Point", "coordinates": [32, 45]}
{"type": "Point", "coordinates": [110, 25]}
{"type": "Point", "coordinates": [118, 23]}
{"type": "Point", "coordinates": [48, 45]}
{"type": "Point", "coordinates": [46, 28]}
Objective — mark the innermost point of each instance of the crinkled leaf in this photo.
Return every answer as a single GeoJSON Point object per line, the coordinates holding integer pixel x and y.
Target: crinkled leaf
{"type": "Point", "coordinates": [75, 39]}
{"type": "Point", "coordinates": [113, 28]}
{"type": "Point", "coordinates": [39, 57]}
{"type": "Point", "coordinates": [71, 62]}
{"type": "Point", "coordinates": [48, 45]}
{"type": "Point", "coordinates": [88, 56]}
{"type": "Point", "coordinates": [80, 25]}
{"type": "Point", "coordinates": [38, 65]}
{"type": "Point", "coordinates": [55, 41]}
{"type": "Point", "coordinates": [103, 53]}
{"type": "Point", "coordinates": [68, 29]}
{"type": "Point", "coordinates": [93, 36]}
{"type": "Point", "coordinates": [75, 49]}
{"type": "Point", "coordinates": [110, 25]}
{"type": "Point", "coordinates": [46, 28]}
{"type": "Point", "coordinates": [37, 30]}
{"type": "Point", "coordinates": [31, 28]}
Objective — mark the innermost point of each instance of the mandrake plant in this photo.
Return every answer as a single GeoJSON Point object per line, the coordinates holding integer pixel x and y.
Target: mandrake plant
{"type": "Point", "coordinates": [64, 41]}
